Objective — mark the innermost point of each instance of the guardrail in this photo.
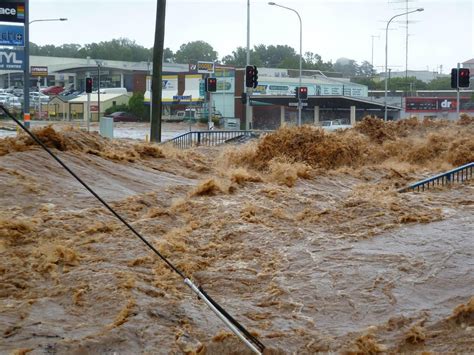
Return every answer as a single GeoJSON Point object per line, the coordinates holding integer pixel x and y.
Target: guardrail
{"type": "Point", "coordinates": [459, 174]}
{"type": "Point", "coordinates": [210, 138]}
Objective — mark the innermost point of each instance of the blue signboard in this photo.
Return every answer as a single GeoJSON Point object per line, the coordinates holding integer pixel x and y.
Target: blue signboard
{"type": "Point", "coordinates": [12, 35]}
{"type": "Point", "coordinates": [11, 59]}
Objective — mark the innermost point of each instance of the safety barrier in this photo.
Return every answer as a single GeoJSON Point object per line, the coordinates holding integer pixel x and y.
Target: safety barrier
{"type": "Point", "coordinates": [459, 174]}
{"type": "Point", "coordinates": [211, 138]}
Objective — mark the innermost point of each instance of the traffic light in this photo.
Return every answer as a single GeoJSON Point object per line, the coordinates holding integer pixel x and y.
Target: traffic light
{"type": "Point", "coordinates": [251, 76]}
{"type": "Point", "coordinates": [460, 77]}
{"type": "Point", "coordinates": [464, 76]}
{"type": "Point", "coordinates": [88, 85]}
{"type": "Point", "coordinates": [303, 93]}
{"type": "Point", "coordinates": [211, 84]}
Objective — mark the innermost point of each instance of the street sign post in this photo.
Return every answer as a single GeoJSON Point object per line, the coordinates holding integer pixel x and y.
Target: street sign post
{"type": "Point", "coordinates": [12, 35]}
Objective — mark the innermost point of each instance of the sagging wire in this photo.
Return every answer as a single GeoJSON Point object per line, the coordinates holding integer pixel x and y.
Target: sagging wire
{"type": "Point", "coordinates": [250, 341]}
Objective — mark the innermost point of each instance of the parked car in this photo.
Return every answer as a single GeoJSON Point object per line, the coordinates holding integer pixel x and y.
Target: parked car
{"type": "Point", "coordinates": [35, 96]}
{"type": "Point", "coordinates": [13, 103]}
{"type": "Point", "coordinates": [333, 125]}
{"type": "Point", "coordinates": [123, 117]}
{"type": "Point", "coordinates": [3, 99]}
{"type": "Point", "coordinates": [53, 90]}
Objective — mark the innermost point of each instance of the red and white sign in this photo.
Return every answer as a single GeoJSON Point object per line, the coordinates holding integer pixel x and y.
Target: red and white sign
{"type": "Point", "coordinates": [436, 104]}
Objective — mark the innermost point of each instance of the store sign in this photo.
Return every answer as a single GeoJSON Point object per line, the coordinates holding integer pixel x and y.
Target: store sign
{"type": "Point", "coordinates": [12, 35]}
{"type": "Point", "coordinates": [437, 104]}
{"type": "Point", "coordinates": [39, 71]}
{"type": "Point", "coordinates": [182, 98]}
{"type": "Point", "coordinates": [12, 12]}
{"type": "Point", "coordinates": [11, 59]}
{"type": "Point", "coordinates": [205, 67]}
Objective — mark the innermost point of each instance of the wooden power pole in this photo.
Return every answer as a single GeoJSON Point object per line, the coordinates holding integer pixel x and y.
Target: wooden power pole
{"type": "Point", "coordinates": [156, 81]}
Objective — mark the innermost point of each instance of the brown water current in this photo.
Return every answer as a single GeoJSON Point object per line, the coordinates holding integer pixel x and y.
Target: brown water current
{"type": "Point", "coordinates": [312, 252]}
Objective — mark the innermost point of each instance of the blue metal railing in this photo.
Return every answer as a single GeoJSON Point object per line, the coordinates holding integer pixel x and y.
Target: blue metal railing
{"type": "Point", "coordinates": [210, 138]}
{"type": "Point", "coordinates": [459, 174]}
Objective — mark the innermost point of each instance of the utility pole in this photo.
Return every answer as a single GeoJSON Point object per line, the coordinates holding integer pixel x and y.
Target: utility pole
{"type": "Point", "coordinates": [156, 80]}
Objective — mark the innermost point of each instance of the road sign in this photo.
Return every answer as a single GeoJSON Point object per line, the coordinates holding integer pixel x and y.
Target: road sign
{"type": "Point", "coordinates": [39, 71]}
{"type": "Point", "coordinates": [295, 104]}
{"type": "Point", "coordinates": [205, 67]}
{"type": "Point", "coordinates": [12, 35]}
{"type": "Point", "coordinates": [12, 12]}
{"type": "Point", "coordinates": [11, 59]}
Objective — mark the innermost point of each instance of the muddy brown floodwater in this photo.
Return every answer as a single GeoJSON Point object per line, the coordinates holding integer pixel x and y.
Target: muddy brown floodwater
{"type": "Point", "coordinates": [300, 235]}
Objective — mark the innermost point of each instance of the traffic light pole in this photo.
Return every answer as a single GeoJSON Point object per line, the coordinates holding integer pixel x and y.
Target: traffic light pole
{"type": "Point", "coordinates": [248, 91]}
{"type": "Point", "coordinates": [457, 93]}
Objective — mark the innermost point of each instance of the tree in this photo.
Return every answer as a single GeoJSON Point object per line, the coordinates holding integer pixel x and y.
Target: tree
{"type": "Point", "coordinates": [168, 56]}
{"type": "Point", "coordinates": [347, 67]}
{"type": "Point", "coordinates": [314, 61]}
{"type": "Point", "coordinates": [137, 107]}
{"type": "Point", "coordinates": [369, 82]}
{"type": "Point", "coordinates": [366, 69]}
{"type": "Point", "coordinates": [195, 51]}
{"type": "Point", "coordinates": [406, 84]}
{"type": "Point", "coordinates": [440, 84]}
{"type": "Point", "coordinates": [238, 58]}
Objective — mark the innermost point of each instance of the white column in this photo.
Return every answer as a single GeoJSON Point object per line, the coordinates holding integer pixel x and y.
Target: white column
{"type": "Point", "coordinates": [316, 115]}
{"type": "Point", "coordinates": [353, 115]}
{"type": "Point", "coordinates": [121, 80]}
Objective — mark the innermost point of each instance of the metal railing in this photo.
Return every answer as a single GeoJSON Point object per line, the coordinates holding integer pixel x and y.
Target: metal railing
{"type": "Point", "coordinates": [210, 138]}
{"type": "Point", "coordinates": [459, 174]}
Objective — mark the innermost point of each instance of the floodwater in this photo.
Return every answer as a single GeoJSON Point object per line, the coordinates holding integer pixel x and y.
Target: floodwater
{"type": "Point", "coordinates": [138, 131]}
{"type": "Point", "coordinates": [309, 252]}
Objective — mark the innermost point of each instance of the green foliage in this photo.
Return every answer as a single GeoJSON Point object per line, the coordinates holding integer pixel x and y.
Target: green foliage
{"type": "Point", "coordinates": [117, 108]}
{"type": "Point", "coordinates": [369, 82]}
{"type": "Point", "coordinates": [137, 107]}
{"type": "Point", "coordinates": [440, 84]}
{"type": "Point", "coordinates": [195, 51]}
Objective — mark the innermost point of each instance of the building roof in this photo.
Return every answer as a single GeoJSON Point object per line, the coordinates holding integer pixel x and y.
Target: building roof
{"type": "Point", "coordinates": [103, 98]}
{"type": "Point", "coordinates": [63, 64]}
{"type": "Point", "coordinates": [470, 61]}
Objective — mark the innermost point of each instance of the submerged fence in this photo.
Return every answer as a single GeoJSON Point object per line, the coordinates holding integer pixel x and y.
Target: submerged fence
{"type": "Point", "coordinates": [211, 138]}
{"type": "Point", "coordinates": [459, 174]}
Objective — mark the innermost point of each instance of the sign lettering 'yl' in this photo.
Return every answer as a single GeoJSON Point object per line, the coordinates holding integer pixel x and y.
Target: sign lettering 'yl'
{"type": "Point", "coordinates": [10, 59]}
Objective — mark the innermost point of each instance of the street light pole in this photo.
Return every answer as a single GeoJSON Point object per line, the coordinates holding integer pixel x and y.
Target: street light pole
{"type": "Point", "coordinates": [386, 55]}
{"type": "Point", "coordinates": [98, 89]}
{"type": "Point", "coordinates": [301, 54]}
{"type": "Point", "coordinates": [26, 61]}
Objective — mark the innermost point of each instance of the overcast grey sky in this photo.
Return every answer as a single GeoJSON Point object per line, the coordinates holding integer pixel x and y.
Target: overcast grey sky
{"type": "Point", "coordinates": [441, 35]}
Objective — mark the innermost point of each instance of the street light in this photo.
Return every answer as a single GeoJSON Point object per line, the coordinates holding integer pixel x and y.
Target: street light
{"type": "Point", "coordinates": [301, 53]}
{"type": "Point", "coordinates": [26, 73]}
{"type": "Point", "coordinates": [99, 63]}
{"type": "Point", "coordinates": [49, 19]}
{"type": "Point", "coordinates": [386, 53]}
